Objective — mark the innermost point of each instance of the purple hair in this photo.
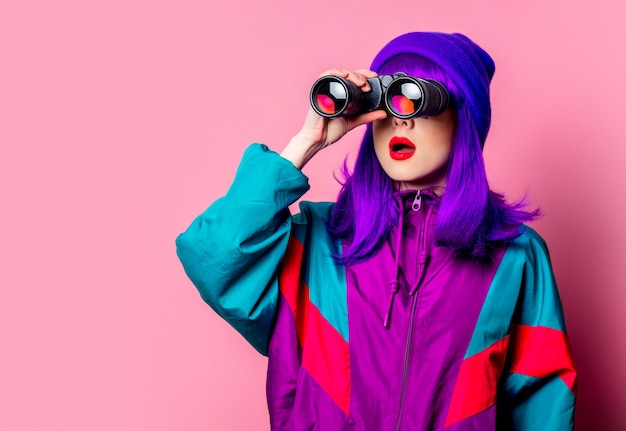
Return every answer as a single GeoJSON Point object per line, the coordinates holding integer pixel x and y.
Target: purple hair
{"type": "Point", "coordinates": [471, 217]}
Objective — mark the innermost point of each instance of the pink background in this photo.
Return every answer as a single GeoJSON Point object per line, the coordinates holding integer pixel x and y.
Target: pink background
{"type": "Point", "coordinates": [122, 120]}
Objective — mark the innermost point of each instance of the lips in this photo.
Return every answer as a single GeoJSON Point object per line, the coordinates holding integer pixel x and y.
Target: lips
{"type": "Point", "coordinates": [401, 148]}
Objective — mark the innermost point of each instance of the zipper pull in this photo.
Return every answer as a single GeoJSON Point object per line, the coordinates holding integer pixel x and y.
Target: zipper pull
{"type": "Point", "coordinates": [393, 290]}
{"type": "Point", "coordinates": [417, 202]}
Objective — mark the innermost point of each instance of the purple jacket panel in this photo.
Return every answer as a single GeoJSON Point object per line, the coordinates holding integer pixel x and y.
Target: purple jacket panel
{"type": "Point", "coordinates": [402, 376]}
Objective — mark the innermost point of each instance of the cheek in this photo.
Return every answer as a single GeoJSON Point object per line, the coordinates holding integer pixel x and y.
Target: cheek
{"type": "Point", "coordinates": [442, 145]}
{"type": "Point", "coordinates": [380, 140]}
{"type": "Point", "coordinates": [441, 156]}
{"type": "Point", "coordinates": [446, 150]}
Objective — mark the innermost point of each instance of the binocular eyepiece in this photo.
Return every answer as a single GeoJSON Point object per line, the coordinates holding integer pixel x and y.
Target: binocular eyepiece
{"type": "Point", "coordinates": [400, 95]}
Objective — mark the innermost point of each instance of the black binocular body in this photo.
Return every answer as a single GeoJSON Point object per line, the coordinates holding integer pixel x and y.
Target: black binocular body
{"type": "Point", "coordinates": [400, 95]}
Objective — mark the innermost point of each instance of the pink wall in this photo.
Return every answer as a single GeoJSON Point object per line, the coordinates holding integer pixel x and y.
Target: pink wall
{"type": "Point", "coordinates": [121, 120]}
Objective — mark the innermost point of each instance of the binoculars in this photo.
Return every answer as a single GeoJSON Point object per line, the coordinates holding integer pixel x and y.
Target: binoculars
{"type": "Point", "coordinates": [400, 95]}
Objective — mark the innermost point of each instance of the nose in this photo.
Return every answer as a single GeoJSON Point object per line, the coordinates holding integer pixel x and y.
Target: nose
{"type": "Point", "coordinates": [403, 122]}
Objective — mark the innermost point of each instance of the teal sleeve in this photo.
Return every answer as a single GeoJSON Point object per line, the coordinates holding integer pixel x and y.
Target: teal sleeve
{"type": "Point", "coordinates": [231, 251]}
{"type": "Point", "coordinates": [539, 384]}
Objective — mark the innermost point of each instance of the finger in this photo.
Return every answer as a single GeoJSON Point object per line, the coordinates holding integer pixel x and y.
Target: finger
{"type": "Point", "coordinates": [358, 79]}
{"type": "Point", "coordinates": [367, 73]}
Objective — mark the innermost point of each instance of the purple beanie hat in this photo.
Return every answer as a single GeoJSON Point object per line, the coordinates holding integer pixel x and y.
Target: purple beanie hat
{"type": "Point", "coordinates": [467, 64]}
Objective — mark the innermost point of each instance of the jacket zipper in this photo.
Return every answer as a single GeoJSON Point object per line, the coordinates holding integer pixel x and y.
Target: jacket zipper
{"type": "Point", "coordinates": [407, 356]}
{"type": "Point", "coordinates": [416, 206]}
{"type": "Point", "coordinates": [417, 202]}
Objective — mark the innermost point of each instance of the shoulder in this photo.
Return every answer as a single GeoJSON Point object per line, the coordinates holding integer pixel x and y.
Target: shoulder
{"type": "Point", "coordinates": [540, 303]}
{"type": "Point", "coordinates": [530, 236]}
{"type": "Point", "coordinates": [530, 243]}
{"type": "Point", "coordinates": [527, 254]}
{"type": "Point", "coordinates": [530, 254]}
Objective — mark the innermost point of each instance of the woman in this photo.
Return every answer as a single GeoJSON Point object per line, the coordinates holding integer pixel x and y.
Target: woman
{"type": "Point", "coordinates": [419, 300]}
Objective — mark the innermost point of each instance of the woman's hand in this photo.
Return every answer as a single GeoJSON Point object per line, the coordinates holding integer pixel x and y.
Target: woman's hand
{"type": "Point", "coordinates": [318, 132]}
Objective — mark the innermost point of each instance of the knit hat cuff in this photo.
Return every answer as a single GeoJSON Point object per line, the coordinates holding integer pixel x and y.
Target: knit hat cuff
{"type": "Point", "coordinates": [467, 64]}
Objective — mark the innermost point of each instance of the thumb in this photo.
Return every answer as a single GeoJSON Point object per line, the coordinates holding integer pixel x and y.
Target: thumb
{"type": "Point", "coordinates": [366, 118]}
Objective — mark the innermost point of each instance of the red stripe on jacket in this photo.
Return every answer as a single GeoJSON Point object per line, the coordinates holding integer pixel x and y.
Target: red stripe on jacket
{"type": "Point", "coordinates": [476, 386]}
{"type": "Point", "coordinates": [325, 354]}
{"type": "Point", "coordinates": [539, 352]}
{"type": "Point", "coordinates": [536, 351]}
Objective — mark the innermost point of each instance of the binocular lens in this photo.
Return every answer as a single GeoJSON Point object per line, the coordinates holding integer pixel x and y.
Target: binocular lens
{"type": "Point", "coordinates": [409, 97]}
{"type": "Point", "coordinates": [330, 96]}
{"type": "Point", "coordinates": [401, 95]}
{"type": "Point", "coordinates": [406, 98]}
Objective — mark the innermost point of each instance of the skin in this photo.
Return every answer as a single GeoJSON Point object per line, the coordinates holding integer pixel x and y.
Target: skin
{"type": "Point", "coordinates": [432, 138]}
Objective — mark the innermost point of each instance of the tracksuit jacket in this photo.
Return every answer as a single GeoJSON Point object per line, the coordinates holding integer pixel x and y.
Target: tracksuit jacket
{"type": "Point", "coordinates": [415, 338]}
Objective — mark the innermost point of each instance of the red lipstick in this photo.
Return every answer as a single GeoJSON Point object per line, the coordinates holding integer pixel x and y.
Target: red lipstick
{"type": "Point", "coordinates": [401, 148]}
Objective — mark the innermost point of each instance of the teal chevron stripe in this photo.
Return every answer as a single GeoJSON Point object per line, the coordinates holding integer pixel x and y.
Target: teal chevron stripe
{"type": "Point", "coordinates": [550, 407]}
{"type": "Point", "coordinates": [327, 283]}
{"type": "Point", "coordinates": [540, 304]}
{"type": "Point", "coordinates": [524, 279]}
{"type": "Point", "coordinates": [494, 320]}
